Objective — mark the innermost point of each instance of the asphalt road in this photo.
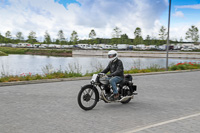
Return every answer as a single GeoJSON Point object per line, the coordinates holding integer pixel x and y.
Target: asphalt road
{"type": "Point", "coordinates": [166, 103]}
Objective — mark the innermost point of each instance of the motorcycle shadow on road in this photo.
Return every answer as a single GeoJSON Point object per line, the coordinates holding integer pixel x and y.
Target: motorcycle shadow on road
{"type": "Point", "coordinates": [136, 105]}
{"type": "Point", "coordinates": [130, 105]}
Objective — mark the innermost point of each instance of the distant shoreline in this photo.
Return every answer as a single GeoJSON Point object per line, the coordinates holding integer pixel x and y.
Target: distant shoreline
{"type": "Point", "coordinates": [145, 54]}
{"type": "Point", "coordinates": [70, 53]}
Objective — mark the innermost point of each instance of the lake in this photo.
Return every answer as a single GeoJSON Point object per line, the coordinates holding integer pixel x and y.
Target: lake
{"type": "Point", "coordinates": [19, 64]}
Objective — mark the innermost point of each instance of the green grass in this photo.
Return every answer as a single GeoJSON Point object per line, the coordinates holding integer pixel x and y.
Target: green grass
{"type": "Point", "coordinates": [3, 53]}
{"type": "Point", "coordinates": [9, 50]}
{"type": "Point", "coordinates": [49, 52]}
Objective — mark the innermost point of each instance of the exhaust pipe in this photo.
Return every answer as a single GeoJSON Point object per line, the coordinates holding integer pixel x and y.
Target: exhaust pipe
{"type": "Point", "coordinates": [125, 98]}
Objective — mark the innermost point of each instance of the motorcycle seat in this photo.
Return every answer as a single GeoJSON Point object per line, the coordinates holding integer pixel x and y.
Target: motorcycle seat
{"type": "Point", "coordinates": [123, 82]}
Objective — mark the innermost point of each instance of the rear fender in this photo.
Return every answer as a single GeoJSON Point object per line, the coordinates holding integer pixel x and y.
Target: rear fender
{"type": "Point", "coordinates": [95, 90]}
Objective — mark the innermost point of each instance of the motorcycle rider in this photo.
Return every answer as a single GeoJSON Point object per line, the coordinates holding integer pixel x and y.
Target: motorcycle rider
{"type": "Point", "coordinates": [116, 69]}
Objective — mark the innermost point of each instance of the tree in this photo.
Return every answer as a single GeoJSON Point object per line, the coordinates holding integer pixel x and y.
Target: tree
{"type": "Point", "coordinates": [116, 32]}
{"type": "Point", "coordinates": [32, 37]}
{"type": "Point", "coordinates": [137, 32]}
{"type": "Point", "coordinates": [181, 39]}
{"type": "Point", "coordinates": [162, 33]}
{"type": "Point", "coordinates": [148, 40]}
{"type": "Point", "coordinates": [124, 39]}
{"type": "Point", "coordinates": [8, 37]}
{"type": "Point", "coordinates": [61, 37]}
{"type": "Point", "coordinates": [92, 34]}
{"type": "Point", "coordinates": [138, 37]}
{"type": "Point", "coordinates": [8, 34]}
{"type": "Point", "coordinates": [47, 38]}
{"type": "Point", "coordinates": [192, 34]}
{"type": "Point", "coordinates": [19, 36]}
{"type": "Point", "coordinates": [74, 37]}
{"type": "Point", "coordinates": [1, 38]}
{"type": "Point", "coordinates": [115, 41]}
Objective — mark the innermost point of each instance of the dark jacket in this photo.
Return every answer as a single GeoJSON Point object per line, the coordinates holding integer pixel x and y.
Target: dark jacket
{"type": "Point", "coordinates": [115, 68]}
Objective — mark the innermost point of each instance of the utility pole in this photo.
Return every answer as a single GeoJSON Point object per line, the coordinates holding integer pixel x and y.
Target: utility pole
{"type": "Point", "coordinates": [168, 35]}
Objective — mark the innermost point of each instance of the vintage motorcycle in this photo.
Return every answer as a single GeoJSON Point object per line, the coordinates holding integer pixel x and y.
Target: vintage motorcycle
{"type": "Point", "coordinates": [89, 95]}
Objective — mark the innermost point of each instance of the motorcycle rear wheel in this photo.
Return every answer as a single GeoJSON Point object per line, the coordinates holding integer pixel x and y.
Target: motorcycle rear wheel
{"type": "Point", "coordinates": [87, 98]}
{"type": "Point", "coordinates": [128, 100]}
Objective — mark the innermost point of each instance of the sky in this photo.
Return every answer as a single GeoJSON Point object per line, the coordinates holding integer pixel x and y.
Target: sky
{"type": "Point", "coordinates": [101, 15]}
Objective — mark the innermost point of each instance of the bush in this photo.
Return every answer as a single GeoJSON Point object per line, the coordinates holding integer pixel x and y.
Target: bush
{"type": "Point", "coordinates": [185, 66]}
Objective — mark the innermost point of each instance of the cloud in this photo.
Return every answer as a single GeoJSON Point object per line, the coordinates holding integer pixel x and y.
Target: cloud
{"type": "Point", "coordinates": [101, 15]}
{"type": "Point", "coordinates": [178, 14]}
{"type": "Point", "coordinates": [197, 6]}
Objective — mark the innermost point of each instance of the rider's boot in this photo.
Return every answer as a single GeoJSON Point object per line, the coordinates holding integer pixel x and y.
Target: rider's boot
{"type": "Point", "coordinates": [114, 97]}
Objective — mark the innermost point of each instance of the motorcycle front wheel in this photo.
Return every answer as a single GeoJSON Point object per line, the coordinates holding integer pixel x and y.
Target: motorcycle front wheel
{"type": "Point", "coordinates": [87, 98]}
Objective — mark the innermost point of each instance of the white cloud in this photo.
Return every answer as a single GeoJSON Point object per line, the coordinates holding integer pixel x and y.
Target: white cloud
{"type": "Point", "coordinates": [101, 15]}
{"type": "Point", "coordinates": [178, 14]}
{"type": "Point", "coordinates": [197, 6]}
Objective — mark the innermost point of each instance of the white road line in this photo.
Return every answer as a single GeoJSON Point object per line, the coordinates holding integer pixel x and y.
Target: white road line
{"type": "Point", "coordinates": [163, 123]}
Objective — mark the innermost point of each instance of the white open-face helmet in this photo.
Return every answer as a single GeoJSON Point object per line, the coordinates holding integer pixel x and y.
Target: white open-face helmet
{"type": "Point", "coordinates": [112, 54]}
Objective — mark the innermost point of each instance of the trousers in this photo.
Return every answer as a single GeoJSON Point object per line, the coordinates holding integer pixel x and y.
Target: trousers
{"type": "Point", "coordinates": [113, 82]}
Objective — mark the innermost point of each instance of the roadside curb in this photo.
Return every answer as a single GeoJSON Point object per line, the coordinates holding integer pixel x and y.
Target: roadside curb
{"type": "Point", "coordinates": [85, 78]}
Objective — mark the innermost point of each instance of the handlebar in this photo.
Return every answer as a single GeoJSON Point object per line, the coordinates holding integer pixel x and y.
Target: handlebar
{"type": "Point", "coordinates": [101, 74]}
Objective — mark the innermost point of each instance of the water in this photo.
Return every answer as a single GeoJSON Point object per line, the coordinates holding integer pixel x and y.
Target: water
{"type": "Point", "coordinates": [19, 64]}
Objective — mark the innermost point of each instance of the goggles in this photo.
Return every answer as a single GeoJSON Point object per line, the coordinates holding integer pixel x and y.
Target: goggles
{"type": "Point", "coordinates": [111, 55]}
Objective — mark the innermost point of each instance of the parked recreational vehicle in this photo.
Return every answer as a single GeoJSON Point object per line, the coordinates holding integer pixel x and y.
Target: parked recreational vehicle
{"type": "Point", "coordinates": [52, 46]}
{"type": "Point", "coordinates": [122, 46]}
{"type": "Point", "coordinates": [107, 46]}
{"type": "Point", "coordinates": [43, 45]}
{"type": "Point", "coordinates": [24, 45]}
{"type": "Point", "coordinates": [85, 46]}
{"type": "Point", "coordinates": [2, 44]}
{"type": "Point", "coordinates": [141, 46]}
{"type": "Point", "coordinates": [65, 46]}
{"type": "Point", "coordinates": [152, 47]}
{"type": "Point", "coordinates": [188, 45]}
{"type": "Point", "coordinates": [36, 45]}
{"type": "Point", "coordinates": [57, 46]}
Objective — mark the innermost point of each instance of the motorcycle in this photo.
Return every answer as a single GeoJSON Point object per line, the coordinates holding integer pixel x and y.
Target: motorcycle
{"type": "Point", "coordinates": [89, 95]}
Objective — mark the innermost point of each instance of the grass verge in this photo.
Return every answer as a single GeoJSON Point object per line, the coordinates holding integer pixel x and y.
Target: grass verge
{"type": "Point", "coordinates": [69, 74]}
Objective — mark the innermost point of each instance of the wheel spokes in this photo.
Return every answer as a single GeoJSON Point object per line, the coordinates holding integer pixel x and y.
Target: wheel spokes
{"type": "Point", "coordinates": [88, 98]}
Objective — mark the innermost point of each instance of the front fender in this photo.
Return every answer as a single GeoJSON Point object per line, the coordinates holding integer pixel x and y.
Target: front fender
{"type": "Point", "coordinates": [94, 88]}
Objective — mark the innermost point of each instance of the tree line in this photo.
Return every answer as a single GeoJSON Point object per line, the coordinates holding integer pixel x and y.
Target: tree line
{"type": "Point", "coordinates": [192, 35]}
